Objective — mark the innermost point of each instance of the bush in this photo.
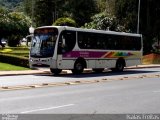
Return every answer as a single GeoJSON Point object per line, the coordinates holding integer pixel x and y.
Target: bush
{"type": "Point", "coordinates": [65, 22]}
{"type": "Point", "coordinates": [102, 21]}
{"type": "Point", "coordinates": [15, 60]}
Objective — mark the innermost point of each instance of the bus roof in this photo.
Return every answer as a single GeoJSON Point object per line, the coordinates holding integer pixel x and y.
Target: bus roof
{"type": "Point", "coordinates": [92, 30]}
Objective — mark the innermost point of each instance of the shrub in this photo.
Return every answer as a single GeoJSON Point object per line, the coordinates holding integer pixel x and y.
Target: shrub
{"type": "Point", "coordinates": [65, 22]}
{"type": "Point", "coordinates": [15, 60]}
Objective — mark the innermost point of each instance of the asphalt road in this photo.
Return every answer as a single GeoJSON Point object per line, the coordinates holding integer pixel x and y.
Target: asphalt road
{"type": "Point", "coordinates": [48, 78]}
{"type": "Point", "coordinates": [120, 96]}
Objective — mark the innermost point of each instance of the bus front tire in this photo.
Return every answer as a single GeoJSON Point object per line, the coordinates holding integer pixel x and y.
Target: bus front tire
{"type": "Point", "coordinates": [78, 68]}
{"type": "Point", "coordinates": [55, 71]}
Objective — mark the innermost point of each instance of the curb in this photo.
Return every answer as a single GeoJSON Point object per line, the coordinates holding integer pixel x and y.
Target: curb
{"type": "Point", "coordinates": [7, 73]}
{"type": "Point", "coordinates": [143, 66]}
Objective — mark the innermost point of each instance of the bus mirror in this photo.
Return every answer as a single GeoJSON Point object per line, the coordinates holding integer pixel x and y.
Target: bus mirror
{"type": "Point", "coordinates": [29, 40]}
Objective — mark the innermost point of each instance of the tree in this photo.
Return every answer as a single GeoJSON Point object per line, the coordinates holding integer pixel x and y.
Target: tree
{"type": "Point", "coordinates": [107, 6]}
{"type": "Point", "coordinates": [47, 11]}
{"type": "Point", "coordinates": [101, 4]}
{"type": "Point", "coordinates": [4, 22]}
{"type": "Point", "coordinates": [82, 10]}
{"type": "Point", "coordinates": [126, 12]}
{"type": "Point", "coordinates": [28, 4]}
{"type": "Point", "coordinates": [11, 5]}
{"type": "Point", "coordinates": [13, 26]}
{"type": "Point", "coordinates": [19, 25]}
{"type": "Point", "coordinates": [102, 21]}
{"type": "Point", "coordinates": [43, 12]}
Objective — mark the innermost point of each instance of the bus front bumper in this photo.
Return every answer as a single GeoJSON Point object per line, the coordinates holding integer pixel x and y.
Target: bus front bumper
{"type": "Point", "coordinates": [40, 62]}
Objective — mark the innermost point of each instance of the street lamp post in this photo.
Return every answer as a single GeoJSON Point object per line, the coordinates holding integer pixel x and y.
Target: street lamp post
{"type": "Point", "coordinates": [139, 5]}
{"type": "Point", "coordinates": [31, 29]}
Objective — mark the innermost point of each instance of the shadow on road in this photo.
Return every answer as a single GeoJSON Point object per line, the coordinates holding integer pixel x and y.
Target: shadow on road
{"type": "Point", "coordinates": [103, 74]}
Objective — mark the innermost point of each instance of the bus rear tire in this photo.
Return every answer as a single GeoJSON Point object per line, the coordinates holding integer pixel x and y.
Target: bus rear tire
{"type": "Point", "coordinates": [55, 71]}
{"type": "Point", "coordinates": [120, 65]}
{"type": "Point", "coordinates": [78, 67]}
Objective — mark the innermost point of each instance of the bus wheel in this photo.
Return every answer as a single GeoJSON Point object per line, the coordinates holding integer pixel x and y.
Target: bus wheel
{"type": "Point", "coordinates": [120, 65]}
{"type": "Point", "coordinates": [99, 70]}
{"type": "Point", "coordinates": [55, 71]}
{"type": "Point", "coordinates": [78, 67]}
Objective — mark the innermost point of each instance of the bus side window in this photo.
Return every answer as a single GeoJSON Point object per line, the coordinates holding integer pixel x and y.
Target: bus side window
{"type": "Point", "coordinates": [67, 41]}
{"type": "Point", "coordinates": [62, 45]}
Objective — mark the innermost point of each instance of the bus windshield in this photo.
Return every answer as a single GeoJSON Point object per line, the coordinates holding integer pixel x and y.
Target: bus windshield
{"type": "Point", "coordinates": [43, 42]}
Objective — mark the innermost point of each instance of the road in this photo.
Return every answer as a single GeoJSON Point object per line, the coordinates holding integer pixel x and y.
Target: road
{"type": "Point", "coordinates": [136, 95]}
{"type": "Point", "coordinates": [48, 78]}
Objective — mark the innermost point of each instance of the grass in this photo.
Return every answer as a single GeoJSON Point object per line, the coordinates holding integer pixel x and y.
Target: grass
{"type": "Point", "coordinates": [18, 51]}
{"type": "Point", "coordinates": [9, 67]}
{"type": "Point", "coordinates": [15, 53]}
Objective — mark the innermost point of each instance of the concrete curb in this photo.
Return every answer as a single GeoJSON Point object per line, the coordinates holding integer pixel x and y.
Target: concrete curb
{"type": "Point", "coordinates": [25, 72]}
{"type": "Point", "coordinates": [144, 66]}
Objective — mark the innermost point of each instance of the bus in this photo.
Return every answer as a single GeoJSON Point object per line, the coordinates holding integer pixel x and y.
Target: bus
{"type": "Point", "coordinates": [69, 48]}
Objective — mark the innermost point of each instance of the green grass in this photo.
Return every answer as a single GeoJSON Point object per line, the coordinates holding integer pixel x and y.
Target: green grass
{"type": "Point", "coordinates": [18, 51]}
{"type": "Point", "coordinates": [9, 67]}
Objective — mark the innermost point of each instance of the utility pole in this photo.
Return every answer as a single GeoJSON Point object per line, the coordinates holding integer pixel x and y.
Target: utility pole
{"type": "Point", "coordinates": [139, 8]}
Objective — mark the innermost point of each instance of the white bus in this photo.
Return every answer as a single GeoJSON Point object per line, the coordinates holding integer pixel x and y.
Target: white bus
{"type": "Point", "coordinates": [62, 47]}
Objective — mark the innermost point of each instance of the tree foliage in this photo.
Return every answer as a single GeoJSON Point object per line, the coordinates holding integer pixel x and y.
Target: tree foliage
{"type": "Point", "coordinates": [82, 10]}
{"type": "Point", "coordinates": [46, 11]}
{"type": "Point", "coordinates": [19, 27]}
{"type": "Point", "coordinates": [13, 26]}
{"type": "Point", "coordinates": [102, 21]}
{"type": "Point", "coordinates": [65, 22]}
{"type": "Point", "coordinates": [4, 22]}
{"type": "Point", "coordinates": [11, 5]}
{"type": "Point", "coordinates": [127, 11]}
{"type": "Point", "coordinates": [43, 12]}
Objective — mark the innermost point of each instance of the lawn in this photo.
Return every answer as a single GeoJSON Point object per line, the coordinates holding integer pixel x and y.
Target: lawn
{"type": "Point", "coordinates": [17, 56]}
{"type": "Point", "coordinates": [18, 51]}
{"type": "Point", "coordinates": [9, 67]}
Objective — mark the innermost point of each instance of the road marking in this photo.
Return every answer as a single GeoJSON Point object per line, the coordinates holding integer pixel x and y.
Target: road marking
{"type": "Point", "coordinates": [50, 108]}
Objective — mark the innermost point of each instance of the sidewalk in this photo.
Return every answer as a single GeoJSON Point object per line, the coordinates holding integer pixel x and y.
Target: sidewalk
{"type": "Point", "coordinates": [25, 72]}
{"type": "Point", "coordinates": [47, 71]}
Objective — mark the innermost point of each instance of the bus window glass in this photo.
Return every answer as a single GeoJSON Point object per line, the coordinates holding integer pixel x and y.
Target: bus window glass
{"type": "Point", "coordinates": [67, 41]}
{"type": "Point", "coordinates": [43, 43]}
{"type": "Point", "coordinates": [108, 42]}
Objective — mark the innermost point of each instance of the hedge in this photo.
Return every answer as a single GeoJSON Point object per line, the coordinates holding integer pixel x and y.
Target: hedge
{"type": "Point", "coordinates": [15, 60]}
